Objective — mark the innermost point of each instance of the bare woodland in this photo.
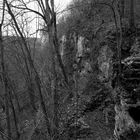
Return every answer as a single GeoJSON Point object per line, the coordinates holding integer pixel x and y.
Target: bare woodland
{"type": "Point", "coordinates": [71, 74]}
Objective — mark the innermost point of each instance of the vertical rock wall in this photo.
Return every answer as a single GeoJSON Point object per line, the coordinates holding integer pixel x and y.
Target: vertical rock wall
{"type": "Point", "coordinates": [127, 98]}
{"type": "Point", "coordinates": [105, 65]}
{"type": "Point", "coordinates": [127, 120]}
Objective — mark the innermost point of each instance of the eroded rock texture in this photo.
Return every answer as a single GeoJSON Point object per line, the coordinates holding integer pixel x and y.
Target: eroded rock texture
{"type": "Point", "coordinates": [127, 126]}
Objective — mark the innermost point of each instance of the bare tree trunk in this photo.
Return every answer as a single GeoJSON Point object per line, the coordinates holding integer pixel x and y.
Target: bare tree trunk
{"type": "Point", "coordinates": [55, 52]}
{"type": "Point", "coordinates": [55, 98]}
{"type": "Point", "coordinates": [5, 85]}
{"type": "Point", "coordinates": [4, 78]}
{"type": "Point", "coordinates": [33, 69]}
{"type": "Point", "coordinates": [17, 100]}
{"type": "Point", "coordinates": [13, 89]}
{"type": "Point", "coordinates": [7, 114]}
{"type": "Point", "coordinates": [14, 116]}
{"type": "Point", "coordinates": [31, 94]}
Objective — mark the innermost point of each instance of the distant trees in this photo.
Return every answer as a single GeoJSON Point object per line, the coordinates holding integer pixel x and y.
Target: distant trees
{"type": "Point", "coordinates": [4, 75]}
{"type": "Point", "coordinates": [31, 70]}
{"type": "Point", "coordinates": [33, 77]}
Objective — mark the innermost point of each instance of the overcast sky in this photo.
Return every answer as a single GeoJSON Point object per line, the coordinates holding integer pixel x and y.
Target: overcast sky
{"type": "Point", "coordinates": [61, 4]}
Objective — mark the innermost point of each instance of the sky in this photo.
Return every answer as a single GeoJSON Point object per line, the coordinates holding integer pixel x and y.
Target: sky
{"type": "Point", "coordinates": [61, 4]}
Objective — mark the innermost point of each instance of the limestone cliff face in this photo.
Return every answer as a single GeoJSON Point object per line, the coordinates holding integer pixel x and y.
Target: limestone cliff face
{"type": "Point", "coordinates": [126, 127]}
{"type": "Point", "coordinates": [127, 120]}
{"type": "Point", "coordinates": [127, 110]}
{"type": "Point", "coordinates": [73, 50]}
{"type": "Point", "coordinates": [126, 97]}
{"type": "Point", "coordinates": [105, 65]}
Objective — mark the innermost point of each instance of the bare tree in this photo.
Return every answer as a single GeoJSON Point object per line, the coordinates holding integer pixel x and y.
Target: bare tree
{"type": "Point", "coordinates": [3, 75]}
{"type": "Point", "coordinates": [49, 16]}
{"type": "Point", "coordinates": [32, 69]}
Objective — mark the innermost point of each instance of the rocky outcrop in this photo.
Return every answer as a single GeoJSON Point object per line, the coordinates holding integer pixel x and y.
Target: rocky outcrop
{"type": "Point", "coordinates": [105, 64]}
{"type": "Point", "coordinates": [127, 126]}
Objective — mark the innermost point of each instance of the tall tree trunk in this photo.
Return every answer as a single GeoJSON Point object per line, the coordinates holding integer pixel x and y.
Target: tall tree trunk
{"type": "Point", "coordinates": [5, 85]}
{"type": "Point", "coordinates": [3, 75]}
{"type": "Point", "coordinates": [31, 94]}
{"type": "Point", "coordinates": [53, 84]}
{"type": "Point", "coordinates": [33, 69]}
{"type": "Point", "coordinates": [13, 89]}
{"type": "Point", "coordinates": [55, 98]}
{"type": "Point", "coordinates": [14, 116]}
{"type": "Point", "coordinates": [7, 114]}
{"type": "Point", "coordinates": [55, 52]}
{"type": "Point", "coordinates": [17, 100]}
